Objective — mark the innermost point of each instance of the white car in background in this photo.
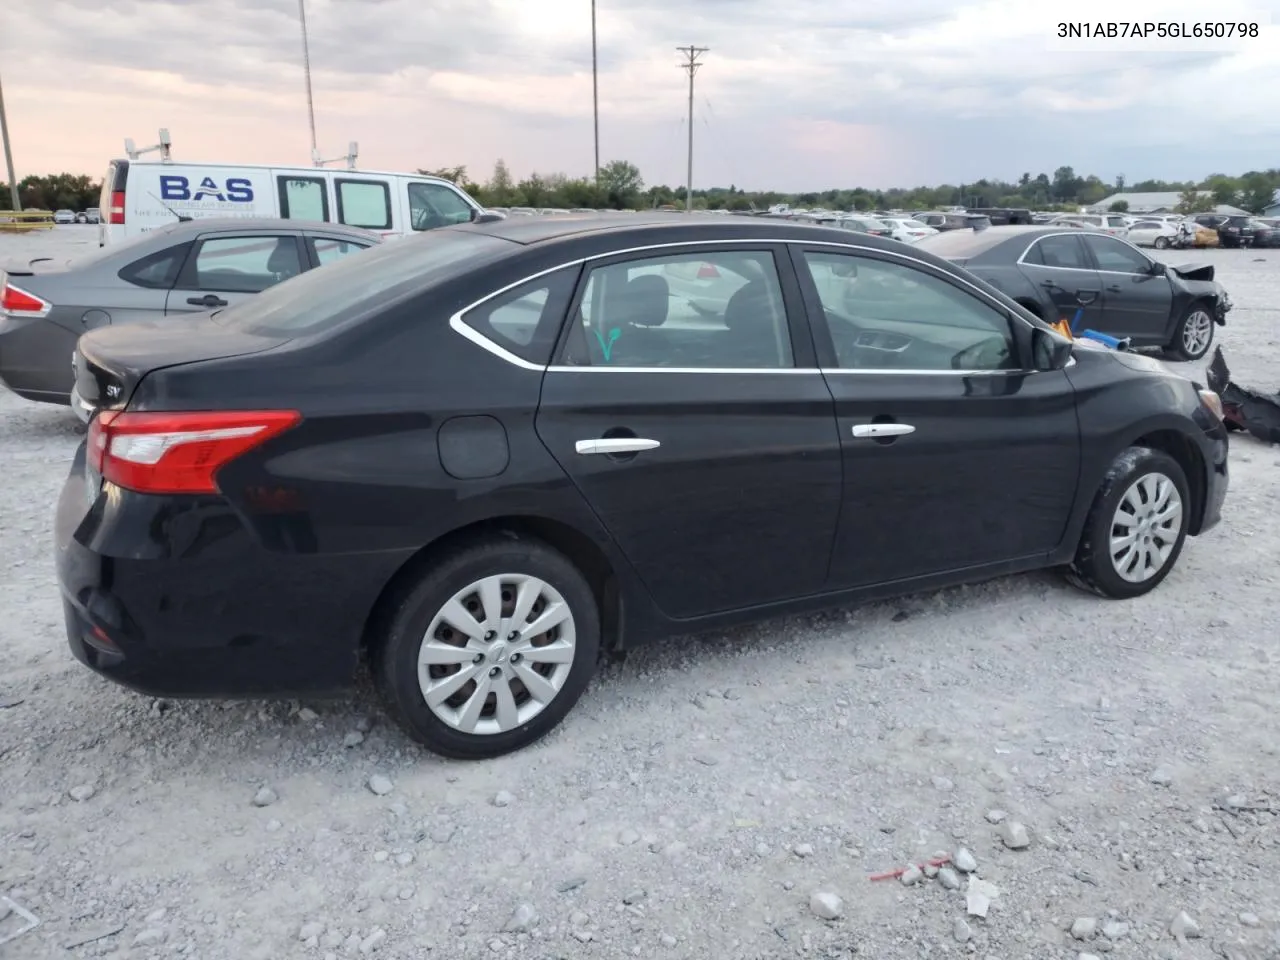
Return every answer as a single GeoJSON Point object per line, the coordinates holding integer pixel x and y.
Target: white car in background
{"type": "Point", "coordinates": [1152, 233]}
{"type": "Point", "coordinates": [1113, 223]}
{"type": "Point", "coordinates": [64, 216]}
{"type": "Point", "coordinates": [908, 230]}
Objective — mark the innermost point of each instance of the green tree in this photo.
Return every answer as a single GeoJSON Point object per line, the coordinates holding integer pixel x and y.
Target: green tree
{"type": "Point", "coordinates": [1257, 191]}
{"type": "Point", "coordinates": [621, 184]}
{"type": "Point", "coordinates": [1192, 200]}
{"type": "Point", "coordinates": [500, 191]}
{"type": "Point", "coordinates": [1120, 206]}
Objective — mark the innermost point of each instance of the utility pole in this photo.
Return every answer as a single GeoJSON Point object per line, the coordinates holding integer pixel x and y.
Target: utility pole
{"type": "Point", "coordinates": [8, 156]}
{"type": "Point", "coordinates": [691, 66]}
{"type": "Point", "coordinates": [306, 68]}
{"type": "Point", "coordinates": [595, 89]}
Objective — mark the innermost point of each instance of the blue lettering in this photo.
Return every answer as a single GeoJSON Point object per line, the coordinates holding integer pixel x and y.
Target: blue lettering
{"type": "Point", "coordinates": [208, 188]}
{"type": "Point", "coordinates": [174, 188]}
{"type": "Point", "coordinates": [240, 190]}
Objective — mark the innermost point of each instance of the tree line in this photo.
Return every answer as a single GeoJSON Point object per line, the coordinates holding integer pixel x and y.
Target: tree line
{"type": "Point", "coordinates": [620, 186]}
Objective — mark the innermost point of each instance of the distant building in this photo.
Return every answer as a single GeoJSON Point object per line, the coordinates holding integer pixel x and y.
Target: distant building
{"type": "Point", "coordinates": [1144, 202]}
{"type": "Point", "coordinates": [1272, 209]}
{"type": "Point", "coordinates": [1227, 210]}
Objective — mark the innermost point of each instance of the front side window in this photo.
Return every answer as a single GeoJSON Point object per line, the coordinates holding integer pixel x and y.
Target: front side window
{"type": "Point", "coordinates": [434, 205]}
{"type": "Point", "coordinates": [883, 315]}
{"type": "Point", "coordinates": [715, 309]}
{"type": "Point", "coordinates": [245, 264]}
{"type": "Point", "coordinates": [364, 203]}
{"type": "Point", "coordinates": [328, 249]}
{"type": "Point", "coordinates": [1063, 252]}
{"type": "Point", "coordinates": [303, 198]}
{"type": "Point", "coordinates": [1116, 257]}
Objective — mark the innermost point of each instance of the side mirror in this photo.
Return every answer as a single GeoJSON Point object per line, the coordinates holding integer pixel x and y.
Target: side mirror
{"type": "Point", "coordinates": [1158, 269]}
{"type": "Point", "coordinates": [1049, 351]}
{"type": "Point", "coordinates": [485, 216]}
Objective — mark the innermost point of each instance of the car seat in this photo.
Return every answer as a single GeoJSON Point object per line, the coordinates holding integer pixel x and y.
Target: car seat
{"type": "Point", "coordinates": [631, 313]}
{"type": "Point", "coordinates": [751, 316]}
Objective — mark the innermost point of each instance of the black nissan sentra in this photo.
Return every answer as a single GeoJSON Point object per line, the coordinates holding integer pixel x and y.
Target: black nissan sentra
{"type": "Point", "coordinates": [483, 456]}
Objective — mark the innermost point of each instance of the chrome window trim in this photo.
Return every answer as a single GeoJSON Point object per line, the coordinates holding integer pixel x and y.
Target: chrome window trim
{"type": "Point", "coordinates": [460, 326]}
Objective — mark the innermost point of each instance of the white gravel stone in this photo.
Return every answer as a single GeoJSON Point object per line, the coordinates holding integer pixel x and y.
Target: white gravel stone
{"type": "Point", "coordinates": [1084, 928]}
{"type": "Point", "coordinates": [82, 792]}
{"type": "Point", "coordinates": [803, 850]}
{"type": "Point", "coordinates": [265, 797]}
{"type": "Point", "coordinates": [503, 798]}
{"type": "Point", "coordinates": [1184, 927]}
{"type": "Point", "coordinates": [964, 861]}
{"type": "Point", "coordinates": [1250, 919]}
{"type": "Point", "coordinates": [911, 876]}
{"type": "Point", "coordinates": [1014, 835]}
{"type": "Point", "coordinates": [1161, 776]}
{"type": "Point", "coordinates": [353, 739]}
{"type": "Point", "coordinates": [522, 919]}
{"type": "Point", "coordinates": [1115, 930]}
{"type": "Point", "coordinates": [826, 905]}
{"type": "Point", "coordinates": [380, 785]}
{"type": "Point", "coordinates": [961, 930]}
{"type": "Point", "coordinates": [996, 816]}
{"type": "Point", "coordinates": [949, 878]}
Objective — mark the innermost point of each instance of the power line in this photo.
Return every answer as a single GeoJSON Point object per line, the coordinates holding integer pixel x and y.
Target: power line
{"type": "Point", "coordinates": [691, 66]}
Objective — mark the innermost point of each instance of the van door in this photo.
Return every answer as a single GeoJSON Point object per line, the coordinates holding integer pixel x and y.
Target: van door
{"type": "Point", "coordinates": [364, 201]}
{"type": "Point", "coordinates": [302, 196]}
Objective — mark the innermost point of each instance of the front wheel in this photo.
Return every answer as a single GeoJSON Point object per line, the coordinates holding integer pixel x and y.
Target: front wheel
{"type": "Point", "coordinates": [490, 650]}
{"type": "Point", "coordinates": [1193, 335]}
{"type": "Point", "coordinates": [1136, 526]}
{"type": "Point", "coordinates": [1162, 243]}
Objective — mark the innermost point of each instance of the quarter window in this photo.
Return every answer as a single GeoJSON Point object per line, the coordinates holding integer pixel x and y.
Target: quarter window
{"type": "Point", "coordinates": [364, 203]}
{"type": "Point", "coordinates": [526, 321]}
{"type": "Point", "coordinates": [1063, 252]}
{"type": "Point", "coordinates": [884, 316]}
{"type": "Point", "coordinates": [303, 198]}
{"type": "Point", "coordinates": [1116, 257]}
{"type": "Point", "coordinates": [715, 309]}
{"type": "Point", "coordinates": [245, 264]}
{"type": "Point", "coordinates": [158, 271]}
{"type": "Point", "coordinates": [434, 205]}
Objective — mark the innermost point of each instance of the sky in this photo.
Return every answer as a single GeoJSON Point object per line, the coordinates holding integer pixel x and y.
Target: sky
{"type": "Point", "coordinates": [796, 95]}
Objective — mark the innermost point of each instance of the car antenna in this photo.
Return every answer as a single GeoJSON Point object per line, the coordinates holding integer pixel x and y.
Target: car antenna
{"type": "Point", "coordinates": [182, 218]}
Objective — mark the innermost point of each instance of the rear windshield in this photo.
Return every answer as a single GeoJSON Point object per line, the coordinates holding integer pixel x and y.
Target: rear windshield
{"type": "Point", "coordinates": [323, 298]}
{"type": "Point", "coordinates": [958, 244]}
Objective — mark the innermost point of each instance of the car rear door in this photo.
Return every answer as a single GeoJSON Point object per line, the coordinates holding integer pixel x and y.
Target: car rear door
{"type": "Point", "coordinates": [955, 457]}
{"type": "Point", "coordinates": [686, 407]}
{"type": "Point", "coordinates": [1059, 265]}
{"type": "Point", "coordinates": [1136, 300]}
{"type": "Point", "coordinates": [227, 267]}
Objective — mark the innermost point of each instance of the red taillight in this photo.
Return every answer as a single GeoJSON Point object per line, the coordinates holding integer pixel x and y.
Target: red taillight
{"type": "Point", "coordinates": [16, 301]}
{"type": "Point", "coordinates": [178, 452]}
{"type": "Point", "coordinates": [708, 271]}
{"type": "Point", "coordinates": [116, 213]}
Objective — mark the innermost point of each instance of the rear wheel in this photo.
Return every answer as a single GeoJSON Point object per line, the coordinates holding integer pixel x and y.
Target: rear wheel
{"type": "Point", "coordinates": [1136, 526]}
{"type": "Point", "coordinates": [1193, 335]}
{"type": "Point", "coordinates": [489, 650]}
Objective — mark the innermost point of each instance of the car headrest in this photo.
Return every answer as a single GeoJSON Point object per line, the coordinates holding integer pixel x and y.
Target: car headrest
{"type": "Point", "coordinates": [749, 307]}
{"type": "Point", "coordinates": [284, 258]}
{"type": "Point", "coordinates": [642, 302]}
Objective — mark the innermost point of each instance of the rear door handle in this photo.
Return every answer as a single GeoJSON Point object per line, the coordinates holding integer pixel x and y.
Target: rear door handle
{"type": "Point", "coordinates": [1114, 288]}
{"type": "Point", "coordinates": [208, 300]}
{"type": "Point", "coordinates": [882, 429]}
{"type": "Point", "coordinates": [614, 445]}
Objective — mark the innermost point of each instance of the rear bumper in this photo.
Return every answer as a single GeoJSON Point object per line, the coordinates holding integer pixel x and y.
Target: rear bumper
{"type": "Point", "coordinates": [177, 597]}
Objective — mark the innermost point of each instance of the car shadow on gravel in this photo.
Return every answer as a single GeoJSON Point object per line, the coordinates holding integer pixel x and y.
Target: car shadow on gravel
{"type": "Point", "coordinates": [35, 422]}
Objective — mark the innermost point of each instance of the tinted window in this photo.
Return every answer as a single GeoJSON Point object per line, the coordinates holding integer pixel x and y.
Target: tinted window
{"type": "Point", "coordinates": [245, 264]}
{"type": "Point", "coordinates": [328, 249]}
{"type": "Point", "coordinates": [1063, 252]}
{"type": "Point", "coordinates": [527, 320]}
{"type": "Point", "coordinates": [885, 315]}
{"type": "Point", "coordinates": [303, 198]}
{"type": "Point", "coordinates": [323, 299]}
{"type": "Point", "coordinates": [1115, 256]}
{"type": "Point", "coordinates": [719, 308]}
{"type": "Point", "coordinates": [157, 271]}
{"type": "Point", "coordinates": [434, 205]}
{"type": "Point", "coordinates": [364, 203]}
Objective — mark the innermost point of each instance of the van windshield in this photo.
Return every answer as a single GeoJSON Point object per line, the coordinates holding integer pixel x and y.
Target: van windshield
{"type": "Point", "coordinates": [323, 298]}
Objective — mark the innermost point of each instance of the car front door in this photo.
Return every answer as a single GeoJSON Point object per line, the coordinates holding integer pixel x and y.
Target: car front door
{"type": "Point", "coordinates": [955, 456]}
{"type": "Point", "coordinates": [1136, 300]}
{"type": "Point", "coordinates": [687, 408]}
{"type": "Point", "coordinates": [227, 268]}
{"type": "Point", "coordinates": [1059, 266]}
{"type": "Point", "coordinates": [434, 205]}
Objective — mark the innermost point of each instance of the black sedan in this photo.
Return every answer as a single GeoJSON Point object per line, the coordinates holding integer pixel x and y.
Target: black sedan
{"type": "Point", "coordinates": [1115, 287]}
{"type": "Point", "coordinates": [484, 455]}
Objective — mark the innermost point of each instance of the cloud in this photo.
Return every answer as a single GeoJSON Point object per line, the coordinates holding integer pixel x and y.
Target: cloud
{"type": "Point", "coordinates": [804, 94]}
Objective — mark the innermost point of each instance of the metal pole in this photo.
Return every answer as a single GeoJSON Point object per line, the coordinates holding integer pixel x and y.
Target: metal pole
{"type": "Point", "coordinates": [691, 66]}
{"type": "Point", "coordinates": [8, 156]}
{"type": "Point", "coordinates": [306, 67]}
{"type": "Point", "coordinates": [595, 88]}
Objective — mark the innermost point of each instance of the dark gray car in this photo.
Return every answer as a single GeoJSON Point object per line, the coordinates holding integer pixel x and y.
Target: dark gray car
{"type": "Point", "coordinates": [183, 268]}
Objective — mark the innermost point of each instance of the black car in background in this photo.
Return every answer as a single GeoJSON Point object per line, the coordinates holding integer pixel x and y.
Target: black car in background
{"type": "Point", "coordinates": [1266, 232]}
{"type": "Point", "coordinates": [1004, 216]}
{"type": "Point", "coordinates": [1116, 288]}
{"type": "Point", "coordinates": [481, 456]}
{"type": "Point", "coordinates": [1232, 231]}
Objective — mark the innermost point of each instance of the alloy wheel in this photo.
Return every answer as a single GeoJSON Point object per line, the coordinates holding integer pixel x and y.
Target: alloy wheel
{"type": "Point", "coordinates": [496, 654]}
{"type": "Point", "coordinates": [1197, 332]}
{"type": "Point", "coordinates": [1145, 527]}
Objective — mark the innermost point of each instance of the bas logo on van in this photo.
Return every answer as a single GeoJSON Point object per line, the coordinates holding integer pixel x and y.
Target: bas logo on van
{"type": "Point", "coordinates": [237, 189]}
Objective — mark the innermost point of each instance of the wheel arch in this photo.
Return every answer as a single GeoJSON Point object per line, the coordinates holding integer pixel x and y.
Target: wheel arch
{"type": "Point", "coordinates": [1182, 449]}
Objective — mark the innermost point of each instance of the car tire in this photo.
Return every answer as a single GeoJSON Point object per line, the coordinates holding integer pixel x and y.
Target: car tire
{"type": "Point", "coordinates": [1145, 491]}
{"type": "Point", "coordinates": [1162, 243]}
{"type": "Point", "coordinates": [462, 727]}
{"type": "Point", "coordinates": [1193, 334]}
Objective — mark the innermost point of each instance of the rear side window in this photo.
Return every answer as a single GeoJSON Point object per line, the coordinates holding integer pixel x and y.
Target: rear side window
{"type": "Point", "coordinates": [1063, 252]}
{"type": "Point", "coordinates": [526, 320]}
{"type": "Point", "coordinates": [303, 198]}
{"type": "Point", "coordinates": [243, 264]}
{"type": "Point", "coordinates": [364, 203]}
{"type": "Point", "coordinates": [158, 271]}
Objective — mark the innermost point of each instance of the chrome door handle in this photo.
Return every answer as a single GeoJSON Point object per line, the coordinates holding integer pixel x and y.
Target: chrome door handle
{"type": "Point", "coordinates": [608, 445]}
{"type": "Point", "coordinates": [882, 429]}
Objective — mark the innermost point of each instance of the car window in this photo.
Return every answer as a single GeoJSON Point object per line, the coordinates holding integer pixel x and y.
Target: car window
{"type": "Point", "coordinates": [158, 271]}
{"type": "Point", "coordinates": [364, 203]}
{"type": "Point", "coordinates": [434, 205]}
{"type": "Point", "coordinates": [1146, 225]}
{"type": "Point", "coordinates": [720, 308]}
{"type": "Point", "coordinates": [1116, 257]}
{"type": "Point", "coordinates": [526, 320]}
{"type": "Point", "coordinates": [1115, 221]}
{"type": "Point", "coordinates": [303, 198]}
{"type": "Point", "coordinates": [1063, 252]}
{"type": "Point", "coordinates": [328, 249]}
{"type": "Point", "coordinates": [884, 315]}
{"type": "Point", "coordinates": [245, 264]}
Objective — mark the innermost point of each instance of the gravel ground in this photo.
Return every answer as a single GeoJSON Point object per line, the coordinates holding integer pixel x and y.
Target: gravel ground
{"type": "Point", "coordinates": [712, 797]}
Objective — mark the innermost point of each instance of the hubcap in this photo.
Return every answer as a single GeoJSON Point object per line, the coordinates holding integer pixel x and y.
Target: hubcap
{"type": "Point", "coordinates": [1196, 333]}
{"type": "Point", "coordinates": [497, 653]}
{"type": "Point", "coordinates": [1145, 527]}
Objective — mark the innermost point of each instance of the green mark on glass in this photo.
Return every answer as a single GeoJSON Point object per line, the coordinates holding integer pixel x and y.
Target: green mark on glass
{"type": "Point", "coordinates": [607, 347]}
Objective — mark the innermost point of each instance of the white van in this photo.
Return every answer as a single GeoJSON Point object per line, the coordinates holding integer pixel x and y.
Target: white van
{"type": "Point", "coordinates": [139, 196]}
